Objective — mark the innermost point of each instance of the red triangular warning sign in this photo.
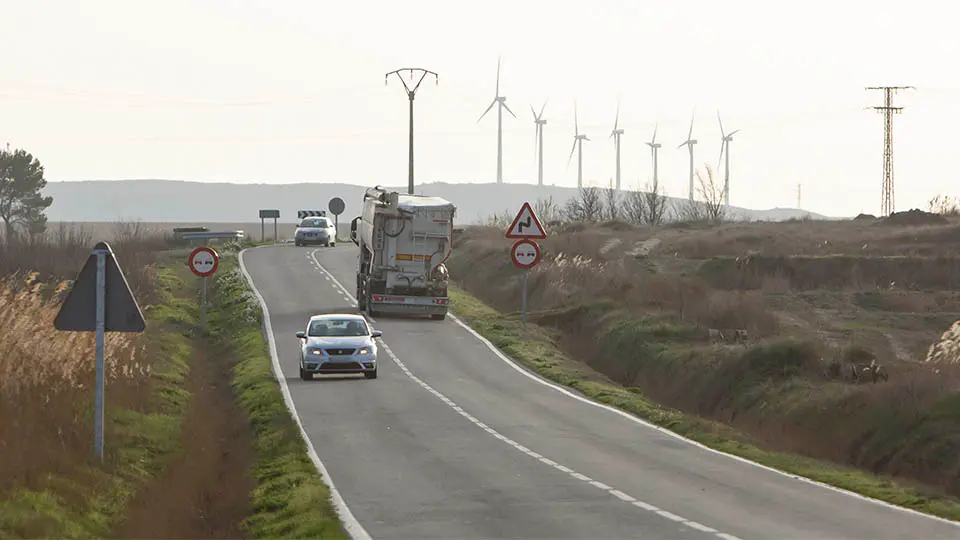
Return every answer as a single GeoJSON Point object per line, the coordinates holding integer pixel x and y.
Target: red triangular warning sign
{"type": "Point", "coordinates": [526, 224]}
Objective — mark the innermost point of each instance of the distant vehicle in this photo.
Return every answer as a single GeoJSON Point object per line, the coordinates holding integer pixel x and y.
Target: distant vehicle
{"type": "Point", "coordinates": [404, 242]}
{"type": "Point", "coordinates": [338, 343]}
{"type": "Point", "coordinates": [316, 231]}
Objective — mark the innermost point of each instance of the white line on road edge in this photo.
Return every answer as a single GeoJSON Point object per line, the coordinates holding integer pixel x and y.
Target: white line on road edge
{"type": "Point", "coordinates": [582, 477]}
{"type": "Point", "coordinates": [350, 523]}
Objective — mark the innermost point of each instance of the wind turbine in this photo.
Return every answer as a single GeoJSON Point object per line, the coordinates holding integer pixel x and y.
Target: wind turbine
{"type": "Point", "coordinates": [578, 139]}
{"type": "Point", "coordinates": [615, 134]}
{"type": "Point", "coordinates": [689, 144]}
{"type": "Point", "coordinates": [725, 145]}
{"type": "Point", "coordinates": [654, 146]}
{"type": "Point", "coordinates": [538, 140]}
{"type": "Point", "coordinates": [497, 98]}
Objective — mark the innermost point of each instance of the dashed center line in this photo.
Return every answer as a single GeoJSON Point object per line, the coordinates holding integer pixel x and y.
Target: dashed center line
{"type": "Point", "coordinates": [459, 410]}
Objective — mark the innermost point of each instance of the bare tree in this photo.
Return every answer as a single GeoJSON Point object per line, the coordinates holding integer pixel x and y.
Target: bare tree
{"type": "Point", "coordinates": [944, 205]}
{"type": "Point", "coordinates": [547, 209]}
{"type": "Point", "coordinates": [586, 206]}
{"type": "Point", "coordinates": [655, 204]}
{"type": "Point", "coordinates": [711, 194]}
{"type": "Point", "coordinates": [634, 206]}
{"type": "Point", "coordinates": [611, 205]}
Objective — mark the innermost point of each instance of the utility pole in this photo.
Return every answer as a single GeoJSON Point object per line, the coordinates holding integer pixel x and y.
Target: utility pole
{"type": "Point", "coordinates": [410, 95]}
{"type": "Point", "coordinates": [886, 202]}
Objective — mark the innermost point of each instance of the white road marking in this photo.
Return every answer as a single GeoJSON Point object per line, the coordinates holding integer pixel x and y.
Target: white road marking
{"type": "Point", "coordinates": [350, 523]}
{"type": "Point", "coordinates": [579, 476]}
{"type": "Point", "coordinates": [669, 515]}
{"type": "Point", "coordinates": [699, 527]}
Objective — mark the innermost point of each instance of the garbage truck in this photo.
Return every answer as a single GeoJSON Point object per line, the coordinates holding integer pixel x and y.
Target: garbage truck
{"type": "Point", "coordinates": [404, 242]}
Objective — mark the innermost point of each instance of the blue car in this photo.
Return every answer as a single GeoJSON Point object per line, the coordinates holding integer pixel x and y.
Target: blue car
{"type": "Point", "coordinates": [338, 343]}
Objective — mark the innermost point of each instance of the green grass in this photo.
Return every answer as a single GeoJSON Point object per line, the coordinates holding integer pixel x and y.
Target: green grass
{"type": "Point", "coordinates": [137, 445]}
{"type": "Point", "coordinates": [537, 351]}
{"type": "Point", "coordinates": [290, 499]}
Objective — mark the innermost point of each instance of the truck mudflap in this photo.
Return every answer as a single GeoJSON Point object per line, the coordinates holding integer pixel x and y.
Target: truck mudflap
{"type": "Point", "coordinates": [393, 303]}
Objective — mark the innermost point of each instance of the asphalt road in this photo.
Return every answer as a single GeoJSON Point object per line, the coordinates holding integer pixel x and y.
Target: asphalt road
{"type": "Point", "coordinates": [452, 441]}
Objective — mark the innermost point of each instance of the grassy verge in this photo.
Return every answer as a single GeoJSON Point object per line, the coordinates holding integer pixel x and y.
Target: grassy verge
{"type": "Point", "coordinates": [537, 351]}
{"type": "Point", "coordinates": [88, 502]}
{"type": "Point", "coordinates": [290, 499]}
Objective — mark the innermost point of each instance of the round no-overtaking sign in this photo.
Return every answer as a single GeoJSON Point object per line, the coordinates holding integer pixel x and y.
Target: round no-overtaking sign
{"type": "Point", "coordinates": [204, 261]}
{"type": "Point", "coordinates": [525, 254]}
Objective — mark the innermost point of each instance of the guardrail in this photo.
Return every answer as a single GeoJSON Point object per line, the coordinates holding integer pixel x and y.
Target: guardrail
{"type": "Point", "coordinates": [227, 235]}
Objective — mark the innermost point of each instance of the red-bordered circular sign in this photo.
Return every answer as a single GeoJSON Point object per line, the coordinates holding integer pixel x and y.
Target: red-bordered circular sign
{"type": "Point", "coordinates": [203, 261]}
{"type": "Point", "coordinates": [525, 254]}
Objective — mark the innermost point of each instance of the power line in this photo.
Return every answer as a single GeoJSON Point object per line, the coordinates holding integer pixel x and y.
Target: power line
{"type": "Point", "coordinates": [886, 197]}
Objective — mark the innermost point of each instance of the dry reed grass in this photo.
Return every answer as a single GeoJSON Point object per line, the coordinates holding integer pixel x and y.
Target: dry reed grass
{"type": "Point", "coordinates": [46, 376]}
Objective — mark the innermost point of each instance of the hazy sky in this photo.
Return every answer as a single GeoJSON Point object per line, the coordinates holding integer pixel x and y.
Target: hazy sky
{"type": "Point", "coordinates": [291, 91]}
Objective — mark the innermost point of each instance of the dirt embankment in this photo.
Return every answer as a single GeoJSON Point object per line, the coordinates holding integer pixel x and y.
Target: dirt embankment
{"type": "Point", "coordinates": [832, 272]}
{"type": "Point", "coordinates": [643, 322]}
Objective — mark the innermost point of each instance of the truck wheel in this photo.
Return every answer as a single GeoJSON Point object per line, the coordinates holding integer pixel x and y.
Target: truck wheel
{"type": "Point", "coordinates": [370, 374]}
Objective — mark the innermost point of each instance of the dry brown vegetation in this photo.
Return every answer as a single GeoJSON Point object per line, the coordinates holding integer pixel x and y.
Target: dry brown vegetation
{"type": "Point", "coordinates": [49, 482]}
{"type": "Point", "coordinates": [47, 375]}
{"type": "Point", "coordinates": [637, 303]}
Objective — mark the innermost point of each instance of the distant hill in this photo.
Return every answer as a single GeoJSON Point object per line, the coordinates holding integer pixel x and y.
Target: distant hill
{"type": "Point", "coordinates": [183, 201]}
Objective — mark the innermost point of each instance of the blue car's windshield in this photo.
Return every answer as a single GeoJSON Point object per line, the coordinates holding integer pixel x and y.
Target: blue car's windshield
{"type": "Point", "coordinates": [338, 327]}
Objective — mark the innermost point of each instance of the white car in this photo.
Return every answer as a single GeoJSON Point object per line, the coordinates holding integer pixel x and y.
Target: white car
{"type": "Point", "coordinates": [316, 231]}
{"type": "Point", "coordinates": [338, 343]}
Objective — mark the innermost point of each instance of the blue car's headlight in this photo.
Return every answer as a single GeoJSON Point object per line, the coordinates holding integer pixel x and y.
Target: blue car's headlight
{"type": "Point", "coordinates": [364, 350]}
{"type": "Point", "coordinates": [316, 352]}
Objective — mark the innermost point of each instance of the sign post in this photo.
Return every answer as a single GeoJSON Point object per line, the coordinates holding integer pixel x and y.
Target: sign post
{"type": "Point", "coordinates": [525, 253]}
{"type": "Point", "coordinates": [204, 261]}
{"type": "Point", "coordinates": [100, 301]}
{"type": "Point", "coordinates": [336, 207]}
{"type": "Point", "coordinates": [266, 214]}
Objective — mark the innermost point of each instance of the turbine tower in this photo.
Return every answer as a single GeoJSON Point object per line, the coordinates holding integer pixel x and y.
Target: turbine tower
{"type": "Point", "coordinates": [538, 140]}
{"type": "Point", "coordinates": [654, 147]}
{"type": "Point", "coordinates": [725, 145]}
{"type": "Point", "coordinates": [501, 100]}
{"type": "Point", "coordinates": [615, 134]}
{"type": "Point", "coordinates": [578, 139]}
{"type": "Point", "coordinates": [689, 144]}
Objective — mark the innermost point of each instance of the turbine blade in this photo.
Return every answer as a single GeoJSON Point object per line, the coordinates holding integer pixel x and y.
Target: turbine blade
{"type": "Point", "coordinates": [690, 133]}
{"type": "Point", "coordinates": [498, 77]}
{"type": "Point", "coordinates": [576, 125]}
{"type": "Point", "coordinates": [504, 104]}
{"type": "Point", "coordinates": [722, 134]}
{"type": "Point", "coordinates": [572, 149]}
{"type": "Point", "coordinates": [542, 108]}
{"type": "Point", "coordinates": [732, 133]}
{"type": "Point", "coordinates": [723, 145]}
{"type": "Point", "coordinates": [684, 143]}
{"type": "Point", "coordinates": [655, 126]}
{"type": "Point", "coordinates": [616, 122]}
{"type": "Point", "coordinates": [533, 112]}
{"type": "Point", "coordinates": [492, 103]}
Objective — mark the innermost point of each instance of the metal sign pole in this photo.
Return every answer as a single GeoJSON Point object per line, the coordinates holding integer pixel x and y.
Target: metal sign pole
{"type": "Point", "coordinates": [203, 305]}
{"type": "Point", "coordinates": [263, 237]}
{"type": "Point", "coordinates": [100, 330]}
{"type": "Point", "coordinates": [276, 237]}
{"type": "Point", "coordinates": [523, 299]}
